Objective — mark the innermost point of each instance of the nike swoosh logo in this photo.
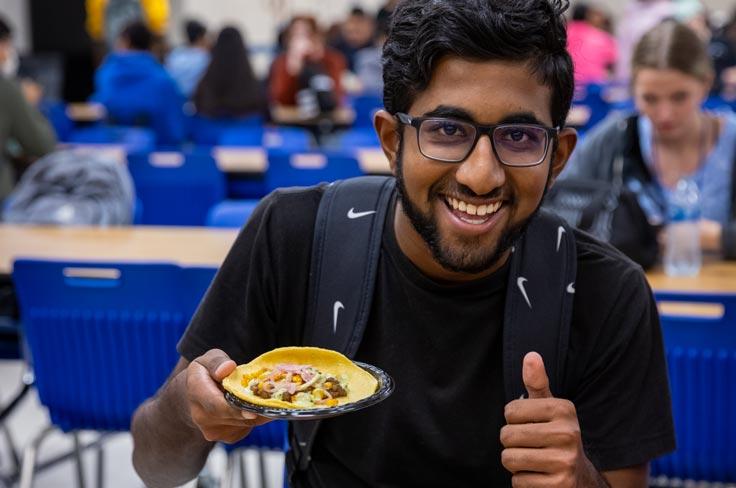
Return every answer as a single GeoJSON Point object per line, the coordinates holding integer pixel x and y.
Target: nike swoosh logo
{"type": "Point", "coordinates": [520, 284]}
{"type": "Point", "coordinates": [571, 287]}
{"type": "Point", "coordinates": [560, 231]}
{"type": "Point", "coordinates": [352, 214]}
{"type": "Point", "coordinates": [335, 310]}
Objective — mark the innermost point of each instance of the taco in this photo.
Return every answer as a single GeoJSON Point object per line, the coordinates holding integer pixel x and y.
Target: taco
{"type": "Point", "coordinates": [300, 377]}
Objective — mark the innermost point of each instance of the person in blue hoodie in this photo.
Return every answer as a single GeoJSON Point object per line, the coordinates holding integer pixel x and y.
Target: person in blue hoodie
{"type": "Point", "coordinates": [137, 90]}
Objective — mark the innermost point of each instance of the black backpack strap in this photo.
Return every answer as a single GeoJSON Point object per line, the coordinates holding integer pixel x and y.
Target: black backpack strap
{"type": "Point", "coordinates": [346, 247]}
{"type": "Point", "coordinates": [539, 301]}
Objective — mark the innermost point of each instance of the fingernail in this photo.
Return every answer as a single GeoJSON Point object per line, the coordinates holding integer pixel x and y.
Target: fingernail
{"type": "Point", "coordinates": [249, 416]}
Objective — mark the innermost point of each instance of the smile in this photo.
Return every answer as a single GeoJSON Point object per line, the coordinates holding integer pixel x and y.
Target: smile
{"type": "Point", "coordinates": [471, 213]}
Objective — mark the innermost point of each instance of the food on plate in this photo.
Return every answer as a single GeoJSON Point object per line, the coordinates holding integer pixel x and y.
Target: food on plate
{"type": "Point", "coordinates": [300, 377]}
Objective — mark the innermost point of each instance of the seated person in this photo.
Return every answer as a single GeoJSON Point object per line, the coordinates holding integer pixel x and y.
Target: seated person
{"type": "Point", "coordinates": [229, 88]}
{"type": "Point", "coordinates": [187, 63]}
{"type": "Point", "coordinates": [354, 34]}
{"type": "Point", "coordinates": [593, 50]}
{"type": "Point", "coordinates": [24, 133]}
{"type": "Point", "coordinates": [672, 137]}
{"type": "Point", "coordinates": [305, 60]}
{"type": "Point", "coordinates": [137, 90]}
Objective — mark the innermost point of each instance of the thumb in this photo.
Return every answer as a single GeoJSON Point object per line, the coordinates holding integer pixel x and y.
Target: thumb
{"type": "Point", "coordinates": [217, 363]}
{"type": "Point", "coordinates": [535, 376]}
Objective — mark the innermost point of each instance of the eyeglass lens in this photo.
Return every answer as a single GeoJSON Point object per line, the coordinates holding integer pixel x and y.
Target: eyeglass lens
{"type": "Point", "coordinates": [452, 140]}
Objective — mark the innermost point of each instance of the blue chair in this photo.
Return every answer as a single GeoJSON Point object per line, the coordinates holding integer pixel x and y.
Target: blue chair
{"type": "Point", "coordinates": [102, 339]}
{"type": "Point", "coordinates": [133, 139]}
{"type": "Point", "coordinates": [231, 213]}
{"type": "Point", "coordinates": [204, 130]}
{"type": "Point", "coordinates": [272, 436]}
{"type": "Point", "coordinates": [358, 138]}
{"type": "Point", "coordinates": [176, 188]}
{"type": "Point", "coordinates": [701, 356]}
{"type": "Point", "coordinates": [591, 98]}
{"type": "Point", "coordinates": [287, 138]}
{"type": "Point", "coordinates": [308, 168]}
{"type": "Point", "coordinates": [365, 107]}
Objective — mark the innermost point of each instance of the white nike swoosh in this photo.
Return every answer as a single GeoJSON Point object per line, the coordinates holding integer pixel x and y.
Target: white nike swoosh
{"type": "Point", "coordinates": [520, 283]}
{"type": "Point", "coordinates": [352, 214]}
{"type": "Point", "coordinates": [560, 231]}
{"type": "Point", "coordinates": [571, 287]}
{"type": "Point", "coordinates": [335, 310]}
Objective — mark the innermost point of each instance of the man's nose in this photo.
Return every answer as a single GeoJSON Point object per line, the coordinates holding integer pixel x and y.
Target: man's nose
{"type": "Point", "coordinates": [481, 171]}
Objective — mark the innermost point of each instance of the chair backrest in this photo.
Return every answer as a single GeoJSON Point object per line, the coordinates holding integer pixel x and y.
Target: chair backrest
{"type": "Point", "coordinates": [231, 213]}
{"type": "Point", "coordinates": [365, 107]}
{"type": "Point", "coordinates": [360, 137]}
{"type": "Point", "coordinates": [308, 168]}
{"type": "Point", "coordinates": [591, 98]}
{"type": "Point", "coordinates": [701, 357]}
{"type": "Point", "coordinates": [209, 130]}
{"type": "Point", "coordinates": [176, 188]}
{"type": "Point", "coordinates": [102, 336]}
{"type": "Point", "coordinates": [286, 138]}
{"type": "Point", "coordinates": [131, 139]}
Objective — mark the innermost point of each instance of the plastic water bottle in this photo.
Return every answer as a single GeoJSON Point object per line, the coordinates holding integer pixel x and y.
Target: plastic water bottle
{"type": "Point", "coordinates": [683, 255]}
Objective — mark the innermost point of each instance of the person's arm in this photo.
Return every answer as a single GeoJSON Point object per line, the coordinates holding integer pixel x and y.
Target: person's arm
{"type": "Point", "coordinates": [174, 431]}
{"type": "Point", "coordinates": [27, 125]}
{"type": "Point", "coordinates": [283, 85]}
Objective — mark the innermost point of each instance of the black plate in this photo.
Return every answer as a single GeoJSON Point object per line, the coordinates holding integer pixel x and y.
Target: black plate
{"type": "Point", "coordinates": [385, 388]}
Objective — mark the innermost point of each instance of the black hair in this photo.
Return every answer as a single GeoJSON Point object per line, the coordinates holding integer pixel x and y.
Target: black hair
{"type": "Point", "coordinates": [194, 30]}
{"type": "Point", "coordinates": [531, 31]}
{"type": "Point", "coordinates": [580, 11]}
{"type": "Point", "coordinates": [139, 36]}
{"type": "Point", "coordinates": [229, 87]}
{"type": "Point", "coordinates": [5, 31]}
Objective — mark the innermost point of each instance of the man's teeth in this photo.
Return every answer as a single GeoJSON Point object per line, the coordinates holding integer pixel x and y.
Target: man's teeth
{"type": "Point", "coordinates": [470, 209]}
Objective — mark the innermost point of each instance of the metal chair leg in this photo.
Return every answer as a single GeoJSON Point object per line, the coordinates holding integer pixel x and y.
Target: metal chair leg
{"type": "Point", "coordinates": [227, 480]}
{"type": "Point", "coordinates": [100, 466]}
{"type": "Point", "coordinates": [262, 466]}
{"type": "Point", "coordinates": [241, 460]}
{"type": "Point", "coordinates": [78, 458]}
{"type": "Point", "coordinates": [29, 459]}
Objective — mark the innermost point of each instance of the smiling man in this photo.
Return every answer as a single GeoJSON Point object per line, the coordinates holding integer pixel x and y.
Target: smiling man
{"type": "Point", "coordinates": [476, 95]}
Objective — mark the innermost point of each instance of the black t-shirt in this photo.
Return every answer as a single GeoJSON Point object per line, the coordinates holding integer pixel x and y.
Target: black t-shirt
{"type": "Point", "coordinates": [442, 345]}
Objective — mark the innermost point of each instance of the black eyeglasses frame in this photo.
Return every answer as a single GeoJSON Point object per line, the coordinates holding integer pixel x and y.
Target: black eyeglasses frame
{"type": "Point", "coordinates": [480, 130]}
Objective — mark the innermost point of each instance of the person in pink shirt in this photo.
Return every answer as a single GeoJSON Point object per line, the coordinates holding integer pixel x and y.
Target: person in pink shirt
{"type": "Point", "coordinates": [593, 50]}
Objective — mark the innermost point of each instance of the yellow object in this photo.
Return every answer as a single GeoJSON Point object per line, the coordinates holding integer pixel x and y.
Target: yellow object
{"type": "Point", "coordinates": [155, 12]}
{"type": "Point", "coordinates": [359, 383]}
{"type": "Point", "coordinates": [95, 22]}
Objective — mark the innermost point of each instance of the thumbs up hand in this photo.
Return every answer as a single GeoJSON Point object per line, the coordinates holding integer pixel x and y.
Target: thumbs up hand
{"type": "Point", "coordinates": [542, 441]}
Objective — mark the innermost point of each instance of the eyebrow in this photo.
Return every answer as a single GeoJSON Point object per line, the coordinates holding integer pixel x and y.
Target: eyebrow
{"type": "Point", "coordinates": [462, 114]}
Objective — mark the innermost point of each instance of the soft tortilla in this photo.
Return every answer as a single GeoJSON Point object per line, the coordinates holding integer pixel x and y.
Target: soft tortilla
{"type": "Point", "coordinates": [360, 383]}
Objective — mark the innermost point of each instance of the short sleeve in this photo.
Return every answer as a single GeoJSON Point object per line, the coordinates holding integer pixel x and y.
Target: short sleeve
{"type": "Point", "coordinates": [622, 397]}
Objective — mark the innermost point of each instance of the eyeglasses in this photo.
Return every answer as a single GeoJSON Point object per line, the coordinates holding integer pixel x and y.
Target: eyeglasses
{"type": "Point", "coordinates": [452, 141]}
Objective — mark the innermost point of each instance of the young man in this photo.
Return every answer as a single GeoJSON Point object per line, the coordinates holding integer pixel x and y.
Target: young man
{"type": "Point", "coordinates": [467, 198]}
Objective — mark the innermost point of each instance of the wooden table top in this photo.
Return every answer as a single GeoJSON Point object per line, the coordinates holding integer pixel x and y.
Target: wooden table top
{"type": "Point", "coordinates": [191, 246]}
{"type": "Point", "coordinates": [208, 246]}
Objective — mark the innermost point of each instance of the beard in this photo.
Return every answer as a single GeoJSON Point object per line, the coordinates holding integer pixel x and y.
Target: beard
{"type": "Point", "coordinates": [470, 255]}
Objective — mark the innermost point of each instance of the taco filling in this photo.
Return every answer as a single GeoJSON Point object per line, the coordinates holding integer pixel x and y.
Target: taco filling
{"type": "Point", "coordinates": [300, 377]}
{"type": "Point", "coordinates": [300, 384]}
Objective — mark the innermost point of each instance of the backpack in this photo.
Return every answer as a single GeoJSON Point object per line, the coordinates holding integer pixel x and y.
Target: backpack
{"type": "Point", "coordinates": [346, 249]}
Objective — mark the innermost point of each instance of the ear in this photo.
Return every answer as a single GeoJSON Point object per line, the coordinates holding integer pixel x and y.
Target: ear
{"type": "Point", "coordinates": [566, 141]}
{"type": "Point", "coordinates": [386, 127]}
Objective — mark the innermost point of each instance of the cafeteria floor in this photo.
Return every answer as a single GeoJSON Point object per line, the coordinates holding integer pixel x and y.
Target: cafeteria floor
{"type": "Point", "coordinates": [30, 418]}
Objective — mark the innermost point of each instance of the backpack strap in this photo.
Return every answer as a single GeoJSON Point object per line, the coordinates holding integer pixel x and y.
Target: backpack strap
{"type": "Point", "coordinates": [539, 301]}
{"type": "Point", "coordinates": [345, 252]}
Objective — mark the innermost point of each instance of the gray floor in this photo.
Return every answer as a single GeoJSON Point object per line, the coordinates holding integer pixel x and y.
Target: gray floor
{"type": "Point", "coordinates": [30, 418]}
